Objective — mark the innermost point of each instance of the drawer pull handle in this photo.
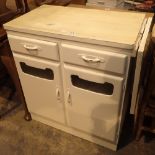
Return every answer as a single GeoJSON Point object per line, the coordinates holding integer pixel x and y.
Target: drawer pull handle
{"type": "Point", "coordinates": [31, 47]}
{"type": "Point", "coordinates": [58, 93]}
{"type": "Point", "coordinates": [91, 59]}
{"type": "Point", "coordinates": [69, 98]}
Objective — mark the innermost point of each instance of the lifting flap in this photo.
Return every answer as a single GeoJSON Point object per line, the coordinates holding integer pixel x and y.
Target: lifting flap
{"type": "Point", "coordinates": [140, 56]}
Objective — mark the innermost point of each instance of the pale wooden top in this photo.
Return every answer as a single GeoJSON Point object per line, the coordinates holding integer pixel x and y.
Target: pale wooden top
{"type": "Point", "coordinates": [111, 28]}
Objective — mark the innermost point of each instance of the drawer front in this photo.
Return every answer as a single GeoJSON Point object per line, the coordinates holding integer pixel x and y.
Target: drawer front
{"type": "Point", "coordinates": [92, 58]}
{"type": "Point", "coordinates": [34, 47]}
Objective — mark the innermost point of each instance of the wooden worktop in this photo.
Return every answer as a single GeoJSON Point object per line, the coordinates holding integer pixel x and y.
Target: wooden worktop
{"type": "Point", "coordinates": [104, 27]}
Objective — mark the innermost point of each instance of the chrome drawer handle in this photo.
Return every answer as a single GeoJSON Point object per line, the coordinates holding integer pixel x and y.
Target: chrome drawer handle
{"type": "Point", "coordinates": [31, 47]}
{"type": "Point", "coordinates": [91, 59]}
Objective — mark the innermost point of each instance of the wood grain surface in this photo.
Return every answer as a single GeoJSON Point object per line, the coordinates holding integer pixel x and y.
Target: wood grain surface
{"type": "Point", "coordinates": [112, 28]}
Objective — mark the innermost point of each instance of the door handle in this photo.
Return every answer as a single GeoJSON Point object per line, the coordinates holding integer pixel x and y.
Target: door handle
{"type": "Point", "coordinates": [69, 100]}
{"type": "Point", "coordinates": [58, 94]}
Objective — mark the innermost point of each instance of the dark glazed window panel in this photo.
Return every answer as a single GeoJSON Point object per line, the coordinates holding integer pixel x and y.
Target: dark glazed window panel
{"type": "Point", "coordinates": [103, 88]}
{"type": "Point", "coordinates": [41, 73]}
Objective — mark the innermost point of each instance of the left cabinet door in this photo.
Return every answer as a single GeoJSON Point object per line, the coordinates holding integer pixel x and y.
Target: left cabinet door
{"type": "Point", "coordinates": [41, 83]}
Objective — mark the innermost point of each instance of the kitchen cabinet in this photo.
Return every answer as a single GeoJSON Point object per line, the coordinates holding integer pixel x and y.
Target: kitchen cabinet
{"type": "Point", "coordinates": [75, 74]}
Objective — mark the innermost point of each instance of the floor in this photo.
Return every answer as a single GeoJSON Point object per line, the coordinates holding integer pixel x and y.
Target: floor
{"type": "Point", "coordinates": [18, 137]}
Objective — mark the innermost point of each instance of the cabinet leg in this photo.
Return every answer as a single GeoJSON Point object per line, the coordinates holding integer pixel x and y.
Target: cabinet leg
{"type": "Point", "coordinates": [140, 124]}
{"type": "Point", "coordinates": [27, 116]}
{"type": "Point", "coordinates": [138, 136]}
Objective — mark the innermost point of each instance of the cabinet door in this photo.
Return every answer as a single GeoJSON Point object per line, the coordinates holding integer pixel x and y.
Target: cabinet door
{"type": "Point", "coordinates": [41, 85]}
{"type": "Point", "coordinates": [93, 101]}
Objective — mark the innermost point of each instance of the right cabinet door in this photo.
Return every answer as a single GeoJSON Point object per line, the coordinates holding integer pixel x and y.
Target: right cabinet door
{"type": "Point", "coordinates": [93, 101]}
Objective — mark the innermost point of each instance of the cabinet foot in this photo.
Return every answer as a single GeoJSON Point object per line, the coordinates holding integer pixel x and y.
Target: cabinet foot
{"type": "Point", "coordinates": [27, 117]}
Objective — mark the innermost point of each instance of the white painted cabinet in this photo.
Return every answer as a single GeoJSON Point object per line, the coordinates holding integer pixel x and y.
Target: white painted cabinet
{"type": "Point", "coordinates": [73, 65]}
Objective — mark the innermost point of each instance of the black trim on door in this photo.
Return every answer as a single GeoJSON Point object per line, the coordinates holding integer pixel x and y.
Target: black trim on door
{"type": "Point", "coordinates": [103, 88]}
{"type": "Point", "coordinates": [38, 72]}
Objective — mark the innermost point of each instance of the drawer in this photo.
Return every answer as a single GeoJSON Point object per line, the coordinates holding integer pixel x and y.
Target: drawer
{"type": "Point", "coordinates": [93, 58]}
{"type": "Point", "coordinates": [34, 47]}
